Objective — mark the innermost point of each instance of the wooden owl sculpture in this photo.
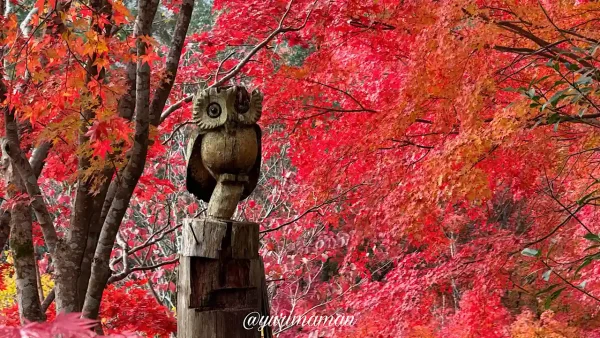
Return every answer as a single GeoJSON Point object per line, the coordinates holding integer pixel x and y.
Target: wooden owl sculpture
{"type": "Point", "coordinates": [224, 154]}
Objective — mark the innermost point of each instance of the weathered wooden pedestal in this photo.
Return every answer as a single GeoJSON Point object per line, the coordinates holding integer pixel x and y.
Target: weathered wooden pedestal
{"type": "Point", "coordinates": [220, 279]}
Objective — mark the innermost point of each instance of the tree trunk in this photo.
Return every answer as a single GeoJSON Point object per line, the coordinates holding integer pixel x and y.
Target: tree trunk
{"type": "Point", "coordinates": [146, 113]}
{"type": "Point", "coordinates": [4, 228]}
{"type": "Point", "coordinates": [133, 170]}
{"type": "Point", "coordinates": [81, 259]}
{"type": "Point", "coordinates": [21, 246]}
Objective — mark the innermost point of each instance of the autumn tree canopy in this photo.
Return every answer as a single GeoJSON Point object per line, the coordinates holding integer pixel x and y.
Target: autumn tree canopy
{"type": "Point", "coordinates": [428, 166]}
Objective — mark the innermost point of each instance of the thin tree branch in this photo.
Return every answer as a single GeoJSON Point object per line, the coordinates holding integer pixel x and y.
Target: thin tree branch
{"type": "Point", "coordinates": [235, 70]}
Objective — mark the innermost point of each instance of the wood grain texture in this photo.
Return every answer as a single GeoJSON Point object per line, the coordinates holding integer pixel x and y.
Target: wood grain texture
{"type": "Point", "coordinates": [219, 278]}
{"type": "Point", "coordinates": [224, 199]}
{"type": "Point", "coordinates": [202, 237]}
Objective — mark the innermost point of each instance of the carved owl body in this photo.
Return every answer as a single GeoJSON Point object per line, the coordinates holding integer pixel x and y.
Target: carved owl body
{"type": "Point", "coordinates": [227, 141]}
{"type": "Point", "coordinates": [221, 156]}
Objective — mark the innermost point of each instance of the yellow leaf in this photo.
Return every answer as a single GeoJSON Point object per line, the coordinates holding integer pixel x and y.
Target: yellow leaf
{"type": "Point", "coordinates": [101, 62]}
{"type": "Point", "coordinates": [101, 47]}
{"type": "Point", "coordinates": [39, 76]}
{"type": "Point", "coordinates": [120, 8]}
{"type": "Point", "coordinates": [80, 24]}
{"type": "Point", "coordinates": [51, 53]}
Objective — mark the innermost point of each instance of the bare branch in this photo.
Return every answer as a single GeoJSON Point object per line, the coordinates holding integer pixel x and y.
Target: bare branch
{"type": "Point", "coordinates": [48, 300]}
{"type": "Point", "coordinates": [164, 89]}
{"type": "Point", "coordinates": [128, 270]}
{"type": "Point", "coordinates": [312, 209]}
{"type": "Point", "coordinates": [235, 70]}
{"type": "Point", "coordinates": [221, 65]}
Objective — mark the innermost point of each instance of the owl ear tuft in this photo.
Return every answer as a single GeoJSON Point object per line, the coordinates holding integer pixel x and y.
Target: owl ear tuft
{"type": "Point", "coordinates": [200, 104]}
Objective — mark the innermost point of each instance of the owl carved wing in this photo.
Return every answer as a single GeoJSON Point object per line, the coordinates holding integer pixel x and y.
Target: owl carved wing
{"type": "Point", "coordinates": [198, 180]}
{"type": "Point", "coordinates": [254, 173]}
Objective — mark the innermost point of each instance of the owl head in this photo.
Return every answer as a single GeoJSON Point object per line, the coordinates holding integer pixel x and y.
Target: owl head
{"type": "Point", "coordinates": [223, 106]}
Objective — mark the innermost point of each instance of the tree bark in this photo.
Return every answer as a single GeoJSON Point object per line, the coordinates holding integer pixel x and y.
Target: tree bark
{"type": "Point", "coordinates": [68, 268]}
{"type": "Point", "coordinates": [21, 245]}
{"type": "Point", "coordinates": [21, 166]}
{"type": "Point", "coordinates": [38, 157]}
{"type": "Point", "coordinates": [121, 189]}
{"type": "Point", "coordinates": [164, 89]}
{"type": "Point", "coordinates": [37, 162]}
{"type": "Point", "coordinates": [133, 170]}
{"type": "Point", "coordinates": [95, 227]}
{"type": "Point", "coordinates": [4, 228]}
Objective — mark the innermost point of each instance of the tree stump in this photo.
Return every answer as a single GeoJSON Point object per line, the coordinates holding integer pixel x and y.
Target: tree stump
{"type": "Point", "coordinates": [220, 279]}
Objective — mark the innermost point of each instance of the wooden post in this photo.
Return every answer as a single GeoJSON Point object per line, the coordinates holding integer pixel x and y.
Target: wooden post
{"type": "Point", "coordinates": [220, 279]}
{"type": "Point", "coordinates": [221, 276]}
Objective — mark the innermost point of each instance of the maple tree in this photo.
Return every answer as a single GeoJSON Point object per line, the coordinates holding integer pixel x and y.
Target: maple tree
{"type": "Point", "coordinates": [428, 167]}
{"type": "Point", "coordinates": [70, 107]}
{"type": "Point", "coordinates": [442, 163]}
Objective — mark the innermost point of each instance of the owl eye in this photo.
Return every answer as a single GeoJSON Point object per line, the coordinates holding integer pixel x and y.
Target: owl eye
{"type": "Point", "coordinates": [242, 101]}
{"type": "Point", "coordinates": [213, 110]}
{"type": "Point", "coordinates": [242, 108]}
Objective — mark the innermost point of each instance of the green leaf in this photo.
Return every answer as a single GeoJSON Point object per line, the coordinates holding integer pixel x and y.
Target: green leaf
{"type": "Point", "coordinates": [552, 297]}
{"type": "Point", "coordinates": [592, 247]}
{"type": "Point", "coordinates": [576, 98]}
{"type": "Point", "coordinates": [557, 97]}
{"type": "Point", "coordinates": [571, 66]}
{"type": "Point", "coordinates": [582, 200]}
{"type": "Point", "coordinates": [560, 82]}
{"type": "Point", "coordinates": [592, 237]}
{"type": "Point", "coordinates": [515, 90]}
{"type": "Point", "coordinates": [553, 64]}
{"type": "Point", "coordinates": [553, 118]}
{"type": "Point", "coordinates": [582, 284]}
{"type": "Point", "coordinates": [585, 262]}
{"type": "Point", "coordinates": [550, 288]}
{"type": "Point", "coordinates": [529, 252]}
{"type": "Point", "coordinates": [534, 81]}
{"type": "Point", "coordinates": [546, 275]}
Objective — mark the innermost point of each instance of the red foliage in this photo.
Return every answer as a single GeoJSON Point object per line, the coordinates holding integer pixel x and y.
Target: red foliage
{"type": "Point", "coordinates": [124, 309]}
{"type": "Point", "coordinates": [132, 308]}
{"type": "Point", "coordinates": [412, 150]}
